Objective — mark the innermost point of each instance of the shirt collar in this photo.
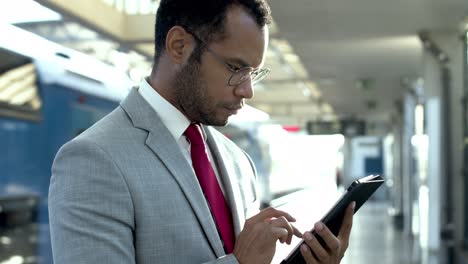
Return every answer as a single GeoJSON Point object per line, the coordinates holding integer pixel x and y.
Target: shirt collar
{"type": "Point", "coordinates": [173, 119]}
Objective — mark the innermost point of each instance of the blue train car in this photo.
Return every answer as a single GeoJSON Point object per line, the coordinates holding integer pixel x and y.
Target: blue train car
{"type": "Point", "coordinates": [48, 95]}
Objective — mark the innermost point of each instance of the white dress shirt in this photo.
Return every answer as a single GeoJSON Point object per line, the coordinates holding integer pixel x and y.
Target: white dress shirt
{"type": "Point", "coordinates": [176, 122]}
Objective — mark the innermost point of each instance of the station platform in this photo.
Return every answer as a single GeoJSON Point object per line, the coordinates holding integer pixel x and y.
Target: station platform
{"type": "Point", "coordinates": [373, 237]}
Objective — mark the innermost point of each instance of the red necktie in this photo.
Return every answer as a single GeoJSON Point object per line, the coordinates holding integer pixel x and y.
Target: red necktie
{"type": "Point", "coordinates": [210, 186]}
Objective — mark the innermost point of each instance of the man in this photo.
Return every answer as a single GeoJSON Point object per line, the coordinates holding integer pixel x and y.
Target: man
{"type": "Point", "coordinates": [152, 182]}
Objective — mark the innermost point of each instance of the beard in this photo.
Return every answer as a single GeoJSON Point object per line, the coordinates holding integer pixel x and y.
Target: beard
{"type": "Point", "coordinates": [191, 93]}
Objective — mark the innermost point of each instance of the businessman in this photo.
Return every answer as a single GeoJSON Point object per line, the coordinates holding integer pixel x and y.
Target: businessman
{"type": "Point", "coordinates": [152, 182]}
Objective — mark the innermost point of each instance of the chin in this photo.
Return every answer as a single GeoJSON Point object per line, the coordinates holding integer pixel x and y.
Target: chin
{"type": "Point", "coordinates": [219, 123]}
{"type": "Point", "coordinates": [214, 121]}
{"type": "Point", "coordinates": [215, 118]}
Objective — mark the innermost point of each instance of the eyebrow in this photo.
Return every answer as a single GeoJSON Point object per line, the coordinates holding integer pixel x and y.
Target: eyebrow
{"type": "Point", "coordinates": [240, 62]}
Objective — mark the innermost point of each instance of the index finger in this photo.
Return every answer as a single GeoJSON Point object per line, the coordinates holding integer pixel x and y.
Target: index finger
{"type": "Point", "coordinates": [345, 229]}
{"type": "Point", "coordinates": [271, 212]}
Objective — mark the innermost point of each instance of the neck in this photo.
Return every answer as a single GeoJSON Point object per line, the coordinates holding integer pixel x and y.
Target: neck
{"type": "Point", "coordinates": [160, 81]}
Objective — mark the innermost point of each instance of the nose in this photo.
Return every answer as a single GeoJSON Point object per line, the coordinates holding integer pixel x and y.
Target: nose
{"type": "Point", "coordinates": [245, 89]}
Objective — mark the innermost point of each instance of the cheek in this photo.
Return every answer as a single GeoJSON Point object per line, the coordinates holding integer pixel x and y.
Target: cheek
{"type": "Point", "coordinates": [215, 87]}
{"type": "Point", "coordinates": [215, 75]}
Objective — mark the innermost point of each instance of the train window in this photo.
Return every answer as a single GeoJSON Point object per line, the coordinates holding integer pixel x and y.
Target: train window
{"type": "Point", "coordinates": [19, 95]}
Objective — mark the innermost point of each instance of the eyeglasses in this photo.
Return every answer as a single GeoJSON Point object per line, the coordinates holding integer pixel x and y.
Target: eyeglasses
{"type": "Point", "coordinates": [239, 74]}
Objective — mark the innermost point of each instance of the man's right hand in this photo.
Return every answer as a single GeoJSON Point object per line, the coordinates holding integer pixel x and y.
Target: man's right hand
{"type": "Point", "coordinates": [257, 241]}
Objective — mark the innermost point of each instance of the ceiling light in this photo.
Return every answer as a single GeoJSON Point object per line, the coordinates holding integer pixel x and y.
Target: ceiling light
{"type": "Point", "coordinates": [306, 92]}
{"type": "Point", "coordinates": [465, 24]}
{"type": "Point", "coordinates": [314, 91]}
{"type": "Point", "coordinates": [14, 260]}
{"type": "Point", "coordinates": [326, 108]}
{"type": "Point", "coordinates": [282, 45]}
{"type": "Point", "coordinates": [291, 58]}
{"type": "Point", "coordinates": [327, 81]}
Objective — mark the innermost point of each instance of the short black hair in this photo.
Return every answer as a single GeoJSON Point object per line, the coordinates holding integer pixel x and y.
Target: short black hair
{"type": "Point", "coordinates": [205, 18]}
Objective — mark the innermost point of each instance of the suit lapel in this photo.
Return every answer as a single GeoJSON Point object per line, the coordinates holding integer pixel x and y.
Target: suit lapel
{"type": "Point", "coordinates": [230, 180]}
{"type": "Point", "coordinates": [162, 143]}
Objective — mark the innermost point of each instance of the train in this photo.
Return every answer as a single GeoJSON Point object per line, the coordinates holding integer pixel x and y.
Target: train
{"type": "Point", "coordinates": [48, 95]}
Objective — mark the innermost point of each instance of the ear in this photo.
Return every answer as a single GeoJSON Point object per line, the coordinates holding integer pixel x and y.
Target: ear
{"type": "Point", "coordinates": [179, 45]}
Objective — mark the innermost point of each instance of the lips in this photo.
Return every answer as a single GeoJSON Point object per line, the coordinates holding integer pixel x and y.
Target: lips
{"type": "Point", "coordinates": [233, 110]}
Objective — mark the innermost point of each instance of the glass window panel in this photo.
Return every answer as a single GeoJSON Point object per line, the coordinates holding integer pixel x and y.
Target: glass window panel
{"type": "Point", "coordinates": [19, 96]}
{"type": "Point", "coordinates": [134, 7]}
{"type": "Point", "coordinates": [148, 6]}
{"type": "Point", "coordinates": [131, 6]}
{"type": "Point", "coordinates": [119, 4]}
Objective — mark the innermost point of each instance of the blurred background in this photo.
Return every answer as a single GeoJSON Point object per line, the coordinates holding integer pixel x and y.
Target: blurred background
{"type": "Point", "coordinates": [356, 88]}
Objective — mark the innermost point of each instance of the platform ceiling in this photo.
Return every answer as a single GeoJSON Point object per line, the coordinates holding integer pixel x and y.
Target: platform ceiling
{"type": "Point", "coordinates": [329, 59]}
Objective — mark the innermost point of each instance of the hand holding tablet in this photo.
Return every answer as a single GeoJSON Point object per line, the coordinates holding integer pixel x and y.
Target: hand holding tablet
{"type": "Point", "coordinates": [359, 191]}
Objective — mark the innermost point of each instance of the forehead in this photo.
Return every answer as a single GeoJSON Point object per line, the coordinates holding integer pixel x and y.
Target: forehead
{"type": "Point", "coordinates": [244, 39]}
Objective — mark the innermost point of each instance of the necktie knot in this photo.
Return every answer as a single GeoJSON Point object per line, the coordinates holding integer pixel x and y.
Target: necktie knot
{"type": "Point", "coordinates": [194, 134]}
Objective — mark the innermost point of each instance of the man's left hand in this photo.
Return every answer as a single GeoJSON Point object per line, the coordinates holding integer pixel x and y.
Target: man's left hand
{"type": "Point", "coordinates": [331, 253]}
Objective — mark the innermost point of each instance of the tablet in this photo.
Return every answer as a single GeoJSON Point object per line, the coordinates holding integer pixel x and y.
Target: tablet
{"type": "Point", "coordinates": [359, 191]}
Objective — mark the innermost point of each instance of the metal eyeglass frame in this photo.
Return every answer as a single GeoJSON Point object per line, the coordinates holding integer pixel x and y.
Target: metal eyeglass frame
{"type": "Point", "coordinates": [242, 73]}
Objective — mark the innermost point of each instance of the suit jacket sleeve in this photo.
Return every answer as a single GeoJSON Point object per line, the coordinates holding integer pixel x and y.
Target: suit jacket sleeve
{"type": "Point", "coordinates": [90, 208]}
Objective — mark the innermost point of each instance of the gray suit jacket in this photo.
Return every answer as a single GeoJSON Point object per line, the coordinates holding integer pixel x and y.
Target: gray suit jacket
{"type": "Point", "coordinates": [122, 192]}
